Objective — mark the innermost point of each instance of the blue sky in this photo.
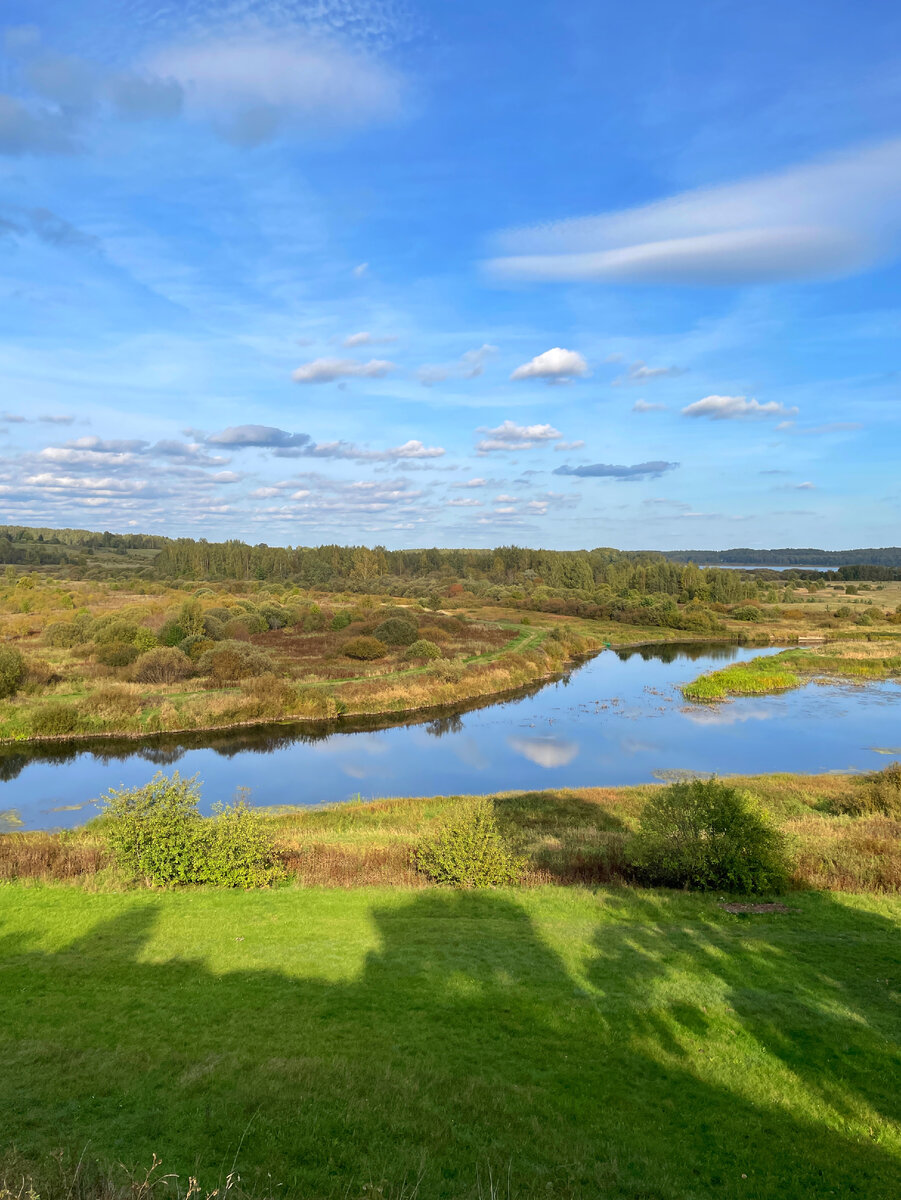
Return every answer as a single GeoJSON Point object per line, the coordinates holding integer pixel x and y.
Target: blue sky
{"type": "Point", "coordinates": [453, 274]}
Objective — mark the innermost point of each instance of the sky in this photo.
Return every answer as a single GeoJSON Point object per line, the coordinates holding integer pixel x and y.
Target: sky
{"type": "Point", "coordinates": [413, 274]}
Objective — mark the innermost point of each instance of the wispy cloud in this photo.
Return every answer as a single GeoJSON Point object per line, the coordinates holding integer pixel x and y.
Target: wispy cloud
{"type": "Point", "coordinates": [640, 372]}
{"type": "Point", "coordinates": [470, 365]}
{"type": "Point", "coordinates": [327, 370]}
{"type": "Point", "coordinates": [645, 470]}
{"type": "Point", "coordinates": [819, 220]}
{"type": "Point", "coordinates": [736, 408]}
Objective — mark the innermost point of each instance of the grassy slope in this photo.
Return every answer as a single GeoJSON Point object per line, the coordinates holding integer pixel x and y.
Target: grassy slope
{"type": "Point", "coordinates": [606, 1043]}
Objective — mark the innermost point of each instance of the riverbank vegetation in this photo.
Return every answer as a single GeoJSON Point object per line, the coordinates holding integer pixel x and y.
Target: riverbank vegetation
{"type": "Point", "coordinates": [380, 633]}
{"type": "Point", "coordinates": [397, 1043]}
{"type": "Point", "coordinates": [854, 662]}
{"type": "Point", "coordinates": [840, 832]}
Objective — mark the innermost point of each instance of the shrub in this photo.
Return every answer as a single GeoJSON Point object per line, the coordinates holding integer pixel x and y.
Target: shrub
{"type": "Point", "coordinates": [878, 792]}
{"type": "Point", "coordinates": [156, 833]}
{"type": "Point", "coordinates": [424, 649]}
{"type": "Point", "coordinates": [194, 645]}
{"type": "Point", "coordinates": [705, 834]}
{"type": "Point", "coordinates": [213, 628]}
{"type": "Point", "coordinates": [112, 701]}
{"type": "Point", "coordinates": [340, 620]}
{"type": "Point", "coordinates": [112, 632]}
{"type": "Point", "coordinates": [235, 629]}
{"type": "Point", "coordinates": [13, 670]}
{"type": "Point", "coordinates": [276, 695]}
{"type": "Point", "coordinates": [229, 661]}
{"type": "Point", "coordinates": [747, 612]}
{"type": "Point", "coordinates": [469, 849]}
{"type": "Point", "coordinates": [365, 648]}
{"type": "Point", "coordinates": [62, 634]}
{"type": "Point", "coordinates": [275, 615]}
{"type": "Point", "coordinates": [54, 720]}
{"type": "Point", "coordinates": [171, 633]}
{"type": "Point", "coordinates": [396, 632]}
{"type": "Point", "coordinates": [166, 664]}
{"type": "Point", "coordinates": [144, 639]}
{"type": "Point", "coordinates": [116, 654]}
{"type": "Point", "coordinates": [449, 670]}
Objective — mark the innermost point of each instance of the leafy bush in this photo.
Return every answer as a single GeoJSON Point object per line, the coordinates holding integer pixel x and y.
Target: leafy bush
{"type": "Point", "coordinates": [705, 834]}
{"type": "Point", "coordinates": [340, 620]}
{"type": "Point", "coordinates": [396, 632]}
{"type": "Point", "coordinates": [116, 654]}
{"type": "Point", "coordinates": [423, 648]}
{"type": "Point", "coordinates": [277, 696]}
{"type": "Point", "coordinates": [235, 630]}
{"type": "Point", "coordinates": [194, 645]}
{"type": "Point", "coordinates": [449, 670]}
{"type": "Point", "coordinates": [747, 612]}
{"type": "Point", "coordinates": [13, 670]}
{"type": "Point", "coordinates": [165, 664]}
{"type": "Point", "coordinates": [112, 632]}
{"type": "Point", "coordinates": [364, 648]}
{"type": "Point", "coordinates": [213, 628]}
{"type": "Point", "coordinates": [469, 849]}
{"type": "Point", "coordinates": [156, 833]}
{"type": "Point", "coordinates": [144, 639]}
{"type": "Point", "coordinates": [62, 634]}
{"type": "Point", "coordinates": [171, 633]}
{"type": "Point", "coordinates": [54, 720]}
{"type": "Point", "coordinates": [229, 661]}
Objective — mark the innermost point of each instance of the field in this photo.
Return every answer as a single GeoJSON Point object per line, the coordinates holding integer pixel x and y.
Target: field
{"type": "Point", "coordinates": [554, 1042]}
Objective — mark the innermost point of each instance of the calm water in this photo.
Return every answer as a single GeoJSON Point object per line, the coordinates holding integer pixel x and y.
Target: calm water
{"type": "Point", "coordinates": [616, 719]}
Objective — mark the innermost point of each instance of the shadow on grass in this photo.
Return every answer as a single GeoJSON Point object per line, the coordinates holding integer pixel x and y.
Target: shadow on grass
{"type": "Point", "coordinates": [681, 1053]}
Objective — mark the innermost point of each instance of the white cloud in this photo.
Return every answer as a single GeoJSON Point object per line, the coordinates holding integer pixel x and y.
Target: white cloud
{"type": "Point", "coordinates": [640, 372]}
{"type": "Point", "coordinates": [464, 502]}
{"type": "Point", "coordinates": [471, 483]}
{"type": "Point", "coordinates": [735, 408]}
{"type": "Point", "coordinates": [643, 406]}
{"type": "Point", "coordinates": [545, 751]}
{"type": "Point", "coordinates": [823, 219]}
{"type": "Point", "coordinates": [326, 370]}
{"type": "Point", "coordinates": [569, 445]}
{"type": "Point", "coordinates": [554, 365]}
{"type": "Point", "coordinates": [365, 338]}
{"type": "Point", "coordinates": [506, 499]}
{"type": "Point", "coordinates": [251, 86]}
{"type": "Point", "coordinates": [510, 436]}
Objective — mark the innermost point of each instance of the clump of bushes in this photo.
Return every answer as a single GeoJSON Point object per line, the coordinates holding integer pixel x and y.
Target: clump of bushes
{"type": "Point", "coordinates": [231, 660]}
{"type": "Point", "coordinates": [156, 834]}
{"type": "Point", "coordinates": [747, 612]}
{"type": "Point", "coordinates": [396, 631]}
{"type": "Point", "coordinates": [54, 720]}
{"type": "Point", "coordinates": [705, 834]}
{"type": "Point", "coordinates": [13, 670]}
{"type": "Point", "coordinates": [448, 670]}
{"type": "Point", "coordinates": [116, 654]}
{"type": "Point", "coordinates": [340, 620]}
{"type": "Point", "coordinates": [423, 648]}
{"type": "Point", "coordinates": [365, 648]}
{"type": "Point", "coordinates": [165, 664]}
{"type": "Point", "coordinates": [469, 849]}
{"type": "Point", "coordinates": [877, 793]}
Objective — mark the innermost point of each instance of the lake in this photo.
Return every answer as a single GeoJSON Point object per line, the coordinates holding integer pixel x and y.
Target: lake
{"type": "Point", "coordinates": [617, 718]}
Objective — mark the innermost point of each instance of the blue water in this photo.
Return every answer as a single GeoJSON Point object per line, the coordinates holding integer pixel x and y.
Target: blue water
{"type": "Point", "coordinates": [616, 719]}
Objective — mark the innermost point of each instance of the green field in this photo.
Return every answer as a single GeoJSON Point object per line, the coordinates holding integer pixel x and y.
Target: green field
{"type": "Point", "coordinates": [393, 1042]}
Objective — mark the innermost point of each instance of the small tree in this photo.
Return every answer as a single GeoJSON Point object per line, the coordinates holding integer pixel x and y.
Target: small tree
{"type": "Point", "coordinates": [706, 834]}
{"type": "Point", "coordinates": [469, 849]}
{"type": "Point", "coordinates": [13, 670]}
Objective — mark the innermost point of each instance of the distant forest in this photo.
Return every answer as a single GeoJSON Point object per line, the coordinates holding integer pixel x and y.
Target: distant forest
{"type": "Point", "coordinates": [87, 553]}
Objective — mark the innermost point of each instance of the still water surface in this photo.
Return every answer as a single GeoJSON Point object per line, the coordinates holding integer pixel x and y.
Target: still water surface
{"type": "Point", "coordinates": [618, 718]}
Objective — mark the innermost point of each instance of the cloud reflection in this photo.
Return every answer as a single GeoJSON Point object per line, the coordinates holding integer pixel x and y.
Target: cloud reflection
{"type": "Point", "coordinates": [545, 751]}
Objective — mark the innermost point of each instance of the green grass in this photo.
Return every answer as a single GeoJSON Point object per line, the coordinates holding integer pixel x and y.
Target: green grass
{"type": "Point", "coordinates": [790, 668]}
{"type": "Point", "coordinates": [571, 1043]}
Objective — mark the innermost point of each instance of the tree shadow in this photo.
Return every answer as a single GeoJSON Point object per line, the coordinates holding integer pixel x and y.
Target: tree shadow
{"type": "Point", "coordinates": [607, 1067]}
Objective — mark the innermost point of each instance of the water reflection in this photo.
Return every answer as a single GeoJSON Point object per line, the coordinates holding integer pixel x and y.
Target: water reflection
{"type": "Point", "coordinates": [617, 718]}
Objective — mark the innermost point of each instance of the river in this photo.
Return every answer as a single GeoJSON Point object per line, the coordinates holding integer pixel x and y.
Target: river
{"type": "Point", "coordinates": [617, 718]}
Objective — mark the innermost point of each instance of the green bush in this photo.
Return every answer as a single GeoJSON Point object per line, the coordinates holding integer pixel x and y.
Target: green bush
{"type": "Point", "coordinates": [112, 632]}
{"type": "Point", "coordinates": [62, 634]}
{"type": "Point", "coordinates": [449, 670]}
{"type": "Point", "coordinates": [171, 633]}
{"type": "Point", "coordinates": [705, 834]}
{"type": "Point", "coordinates": [469, 849]}
{"type": "Point", "coordinates": [13, 670]}
{"type": "Point", "coordinates": [396, 632]}
{"type": "Point", "coordinates": [423, 648]}
{"type": "Point", "coordinates": [340, 620]}
{"type": "Point", "coordinates": [54, 720]}
{"type": "Point", "coordinates": [747, 612]}
{"type": "Point", "coordinates": [364, 648]}
{"type": "Point", "coordinates": [876, 793]}
{"type": "Point", "coordinates": [144, 639]}
{"type": "Point", "coordinates": [165, 664]}
{"type": "Point", "coordinates": [231, 660]}
{"type": "Point", "coordinates": [116, 654]}
{"type": "Point", "coordinates": [156, 834]}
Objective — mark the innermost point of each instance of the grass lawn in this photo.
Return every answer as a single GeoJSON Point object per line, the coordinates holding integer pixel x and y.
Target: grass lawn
{"type": "Point", "coordinates": [560, 1042]}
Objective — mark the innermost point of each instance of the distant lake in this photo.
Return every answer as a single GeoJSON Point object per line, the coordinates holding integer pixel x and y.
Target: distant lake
{"type": "Point", "coordinates": [616, 719]}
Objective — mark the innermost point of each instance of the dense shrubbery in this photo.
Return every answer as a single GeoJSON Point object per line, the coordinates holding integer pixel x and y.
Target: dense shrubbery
{"type": "Point", "coordinates": [878, 792]}
{"type": "Point", "coordinates": [469, 850]}
{"type": "Point", "coordinates": [425, 649]}
{"type": "Point", "coordinates": [156, 834]}
{"type": "Point", "coordinates": [165, 664]}
{"type": "Point", "coordinates": [54, 720]}
{"type": "Point", "coordinates": [705, 834]}
{"type": "Point", "coordinates": [396, 632]}
{"type": "Point", "coordinates": [231, 660]}
{"type": "Point", "coordinates": [747, 612]}
{"type": "Point", "coordinates": [364, 648]}
{"type": "Point", "coordinates": [13, 670]}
